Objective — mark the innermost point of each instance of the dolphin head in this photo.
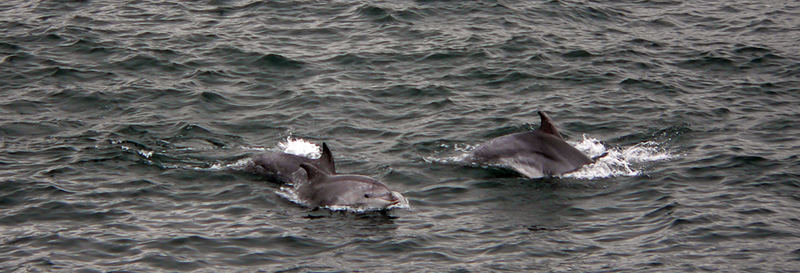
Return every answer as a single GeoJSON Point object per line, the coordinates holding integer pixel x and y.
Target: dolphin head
{"type": "Point", "coordinates": [369, 197]}
{"type": "Point", "coordinates": [343, 191]}
{"type": "Point", "coordinates": [381, 199]}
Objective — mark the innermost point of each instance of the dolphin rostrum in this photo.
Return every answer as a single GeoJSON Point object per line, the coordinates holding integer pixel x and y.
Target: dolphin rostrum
{"type": "Point", "coordinates": [325, 189]}
{"type": "Point", "coordinates": [539, 153]}
{"type": "Point", "coordinates": [285, 168]}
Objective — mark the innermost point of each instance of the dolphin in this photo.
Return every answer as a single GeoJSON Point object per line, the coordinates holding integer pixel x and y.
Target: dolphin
{"type": "Point", "coordinates": [534, 154]}
{"type": "Point", "coordinates": [325, 189]}
{"type": "Point", "coordinates": [285, 168]}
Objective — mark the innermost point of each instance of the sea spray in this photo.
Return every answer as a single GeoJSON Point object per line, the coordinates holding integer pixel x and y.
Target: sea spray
{"type": "Point", "coordinates": [301, 147]}
{"type": "Point", "coordinates": [618, 161]}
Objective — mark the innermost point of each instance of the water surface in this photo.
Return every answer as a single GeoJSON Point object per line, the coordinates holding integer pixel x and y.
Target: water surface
{"type": "Point", "coordinates": [118, 120]}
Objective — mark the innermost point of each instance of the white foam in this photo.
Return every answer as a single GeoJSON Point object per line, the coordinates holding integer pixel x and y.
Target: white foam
{"type": "Point", "coordinates": [463, 149]}
{"type": "Point", "coordinates": [290, 193]}
{"type": "Point", "coordinates": [646, 151]}
{"type": "Point", "coordinates": [301, 147]}
{"type": "Point", "coordinates": [238, 165]}
{"type": "Point", "coordinates": [590, 146]}
{"type": "Point", "coordinates": [621, 161]}
{"type": "Point", "coordinates": [254, 148]}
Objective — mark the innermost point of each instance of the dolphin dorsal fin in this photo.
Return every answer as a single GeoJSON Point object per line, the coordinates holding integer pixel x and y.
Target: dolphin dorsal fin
{"type": "Point", "coordinates": [548, 126]}
{"type": "Point", "coordinates": [326, 159]}
{"type": "Point", "coordinates": [313, 172]}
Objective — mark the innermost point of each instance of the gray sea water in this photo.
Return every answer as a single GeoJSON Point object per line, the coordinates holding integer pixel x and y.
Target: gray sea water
{"type": "Point", "coordinates": [120, 122]}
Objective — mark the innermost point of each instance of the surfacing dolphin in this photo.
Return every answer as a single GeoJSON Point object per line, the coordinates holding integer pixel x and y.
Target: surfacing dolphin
{"type": "Point", "coordinates": [285, 168]}
{"type": "Point", "coordinates": [539, 153]}
{"type": "Point", "coordinates": [357, 192]}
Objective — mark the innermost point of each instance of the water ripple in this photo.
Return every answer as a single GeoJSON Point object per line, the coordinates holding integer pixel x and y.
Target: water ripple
{"type": "Point", "coordinates": [124, 130]}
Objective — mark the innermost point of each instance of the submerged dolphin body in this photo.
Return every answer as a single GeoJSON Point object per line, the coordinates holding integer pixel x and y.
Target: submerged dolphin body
{"type": "Point", "coordinates": [539, 153]}
{"type": "Point", "coordinates": [285, 168]}
{"type": "Point", "coordinates": [324, 189]}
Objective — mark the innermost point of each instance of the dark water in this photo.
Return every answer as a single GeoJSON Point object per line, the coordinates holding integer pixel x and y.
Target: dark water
{"type": "Point", "coordinates": [114, 115]}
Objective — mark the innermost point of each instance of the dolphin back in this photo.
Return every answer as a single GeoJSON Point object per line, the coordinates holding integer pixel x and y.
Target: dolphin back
{"type": "Point", "coordinates": [539, 153]}
{"type": "Point", "coordinates": [560, 157]}
{"type": "Point", "coordinates": [533, 154]}
{"type": "Point", "coordinates": [277, 166]}
{"type": "Point", "coordinates": [285, 168]}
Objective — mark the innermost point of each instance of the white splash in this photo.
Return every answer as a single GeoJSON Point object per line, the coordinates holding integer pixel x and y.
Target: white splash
{"type": "Point", "coordinates": [646, 151]}
{"type": "Point", "coordinates": [619, 161]}
{"type": "Point", "coordinates": [463, 149]}
{"type": "Point", "coordinates": [301, 147]}
{"type": "Point", "coordinates": [238, 165]}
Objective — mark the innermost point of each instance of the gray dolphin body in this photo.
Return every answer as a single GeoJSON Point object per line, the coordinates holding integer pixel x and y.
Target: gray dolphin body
{"type": "Point", "coordinates": [324, 189]}
{"type": "Point", "coordinates": [285, 168]}
{"type": "Point", "coordinates": [542, 152]}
